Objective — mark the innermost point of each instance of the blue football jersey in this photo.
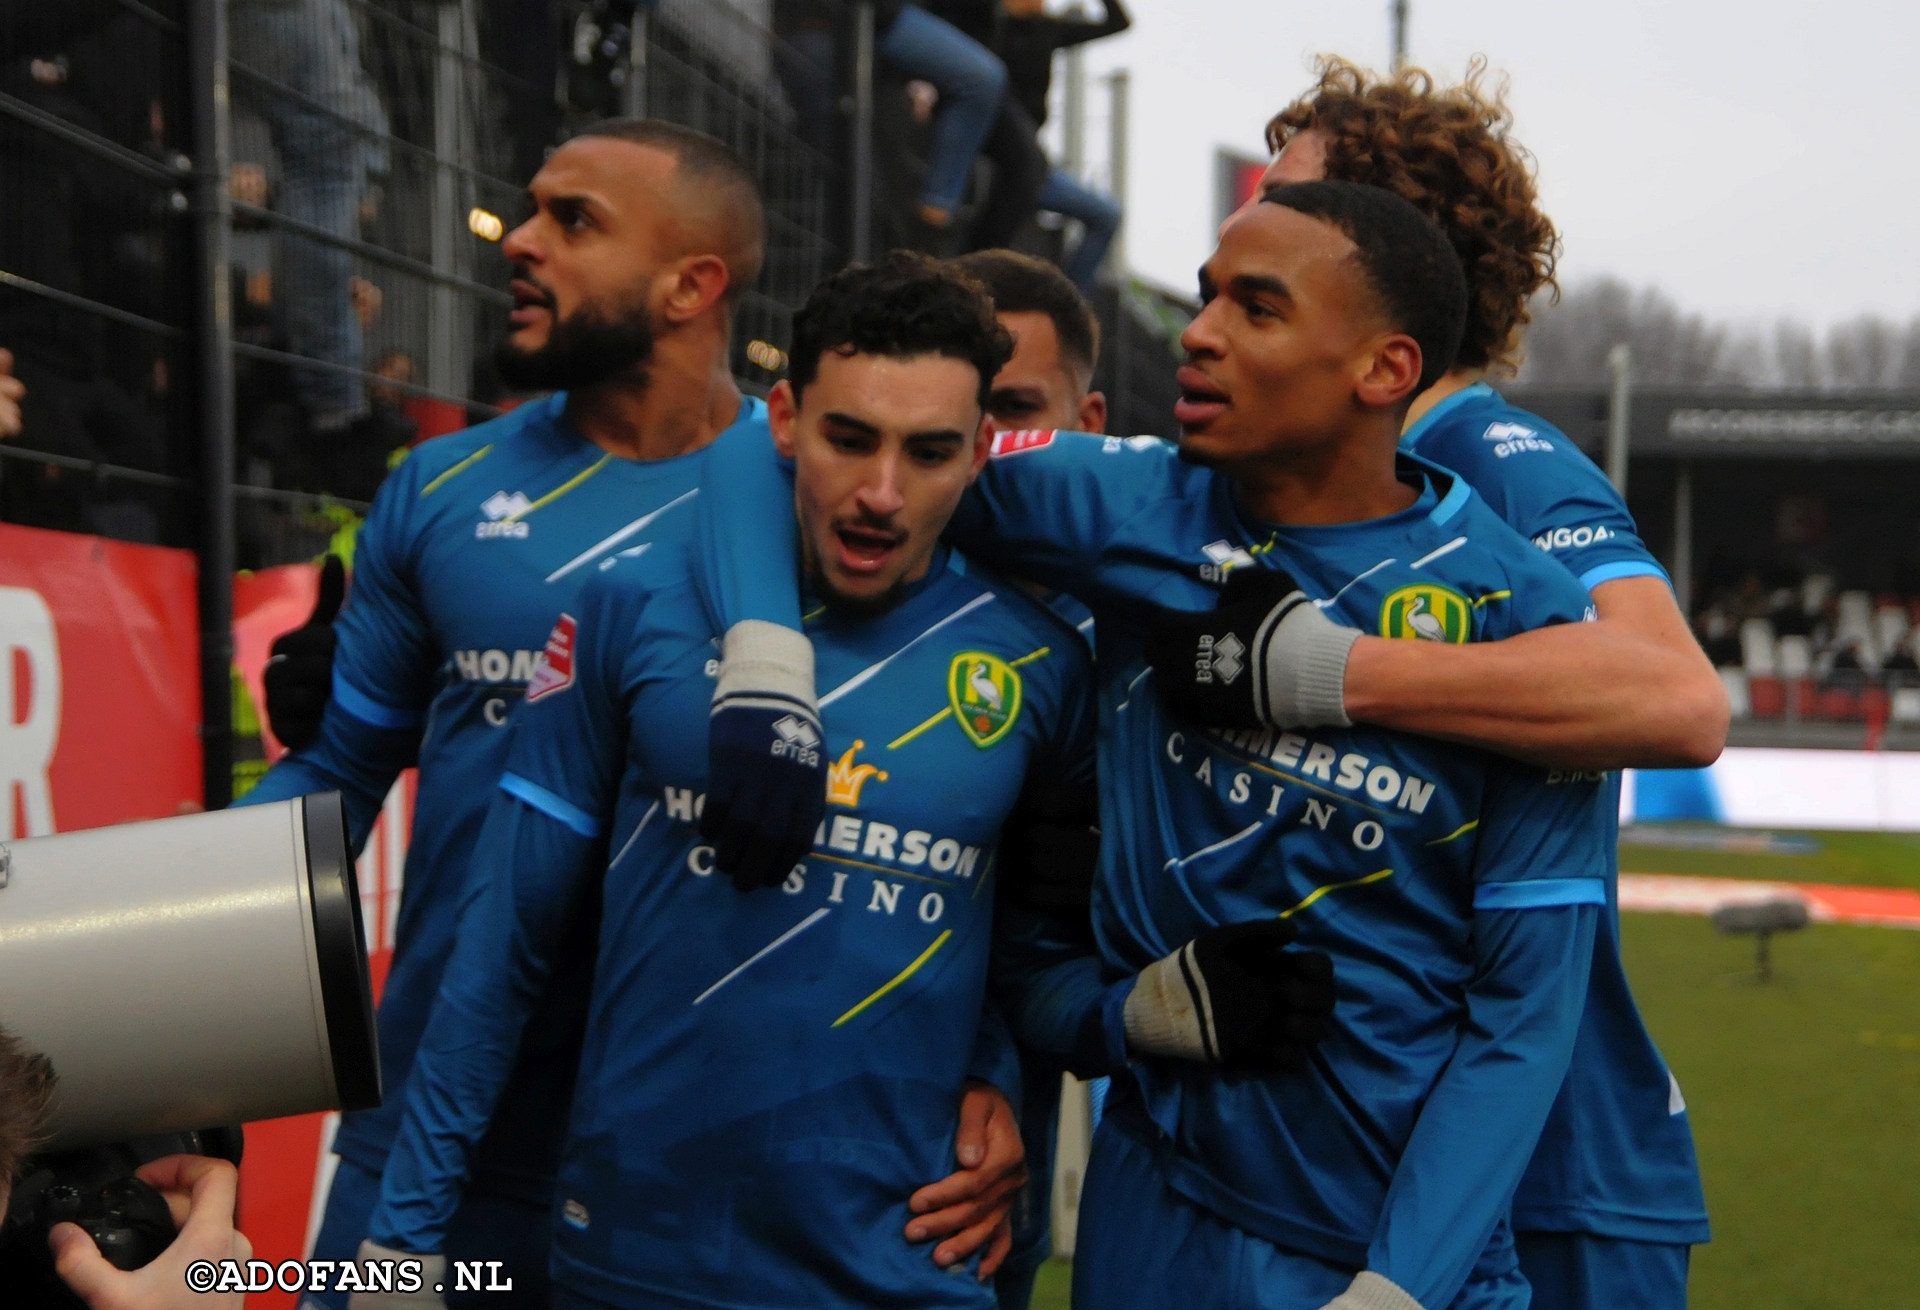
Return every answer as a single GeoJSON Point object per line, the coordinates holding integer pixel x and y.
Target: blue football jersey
{"type": "Point", "coordinates": [474, 544]}
{"type": "Point", "coordinates": [1617, 1156]}
{"type": "Point", "coordinates": [766, 1077]}
{"type": "Point", "coordinates": [1456, 890]}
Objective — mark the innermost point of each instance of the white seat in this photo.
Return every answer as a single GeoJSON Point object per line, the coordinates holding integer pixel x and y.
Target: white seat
{"type": "Point", "coordinates": [1906, 705]}
{"type": "Point", "coordinates": [1794, 657]}
{"type": "Point", "coordinates": [1756, 647]}
{"type": "Point", "coordinates": [1853, 618]}
{"type": "Point", "coordinates": [1735, 681]}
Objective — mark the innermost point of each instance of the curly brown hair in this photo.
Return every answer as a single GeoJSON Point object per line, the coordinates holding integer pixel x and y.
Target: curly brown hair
{"type": "Point", "coordinates": [1447, 150]}
{"type": "Point", "coordinates": [26, 1097]}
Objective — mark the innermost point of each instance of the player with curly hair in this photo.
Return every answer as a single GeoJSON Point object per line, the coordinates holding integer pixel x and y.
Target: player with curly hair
{"type": "Point", "coordinates": [1612, 1203]}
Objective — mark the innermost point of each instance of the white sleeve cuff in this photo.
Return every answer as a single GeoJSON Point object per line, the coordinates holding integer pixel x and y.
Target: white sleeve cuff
{"type": "Point", "coordinates": [761, 658]}
{"type": "Point", "coordinates": [1369, 1291]}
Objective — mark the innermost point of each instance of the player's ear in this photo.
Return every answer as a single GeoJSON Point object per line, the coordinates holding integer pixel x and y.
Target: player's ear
{"type": "Point", "coordinates": [1093, 412]}
{"type": "Point", "coordinates": [1390, 372]}
{"type": "Point", "coordinates": [694, 285]}
{"type": "Point", "coordinates": [982, 447]}
{"type": "Point", "coordinates": [783, 417]}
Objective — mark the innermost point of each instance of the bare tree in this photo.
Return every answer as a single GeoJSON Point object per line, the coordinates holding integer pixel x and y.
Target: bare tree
{"type": "Point", "coordinates": [1567, 345]}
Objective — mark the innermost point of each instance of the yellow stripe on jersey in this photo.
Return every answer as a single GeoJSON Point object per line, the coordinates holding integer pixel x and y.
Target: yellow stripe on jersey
{"type": "Point", "coordinates": [461, 467]}
{"type": "Point", "coordinates": [560, 490]}
{"type": "Point", "coordinates": [1318, 892]}
{"type": "Point", "coordinates": [1461, 831]}
{"type": "Point", "coordinates": [898, 978]}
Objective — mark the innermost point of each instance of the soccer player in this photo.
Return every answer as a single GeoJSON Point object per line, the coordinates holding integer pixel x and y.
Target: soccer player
{"type": "Point", "coordinates": [1612, 1201]}
{"type": "Point", "coordinates": [1456, 891]}
{"type": "Point", "coordinates": [642, 238]}
{"type": "Point", "coordinates": [767, 1077]}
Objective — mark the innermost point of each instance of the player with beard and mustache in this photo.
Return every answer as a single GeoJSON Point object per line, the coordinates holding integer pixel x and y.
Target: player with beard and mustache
{"type": "Point", "coordinates": [641, 239]}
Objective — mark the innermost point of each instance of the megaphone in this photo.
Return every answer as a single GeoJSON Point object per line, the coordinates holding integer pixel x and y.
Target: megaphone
{"type": "Point", "coordinates": [193, 971]}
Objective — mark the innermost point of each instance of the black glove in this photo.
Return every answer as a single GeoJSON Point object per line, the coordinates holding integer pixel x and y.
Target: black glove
{"type": "Point", "coordinates": [766, 756]}
{"type": "Point", "coordinates": [1234, 996]}
{"type": "Point", "coordinates": [1049, 849]}
{"type": "Point", "coordinates": [299, 674]}
{"type": "Point", "coordinates": [1263, 656]}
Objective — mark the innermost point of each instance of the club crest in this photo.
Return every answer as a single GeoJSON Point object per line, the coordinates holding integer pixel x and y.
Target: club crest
{"type": "Point", "coordinates": [1427, 612]}
{"type": "Point", "coordinates": [985, 693]}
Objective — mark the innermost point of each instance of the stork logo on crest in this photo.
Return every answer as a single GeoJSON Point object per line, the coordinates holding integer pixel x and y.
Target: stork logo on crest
{"type": "Point", "coordinates": [1427, 612]}
{"type": "Point", "coordinates": [985, 693]}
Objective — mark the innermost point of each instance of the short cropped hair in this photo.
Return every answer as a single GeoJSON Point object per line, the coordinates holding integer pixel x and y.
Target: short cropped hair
{"type": "Point", "coordinates": [1021, 284]}
{"type": "Point", "coordinates": [1408, 263]}
{"type": "Point", "coordinates": [711, 164]}
{"type": "Point", "coordinates": [906, 304]}
{"type": "Point", "coordinates": [1449, 151]}
{"type": "Point", "coordinates": [26, 1099]}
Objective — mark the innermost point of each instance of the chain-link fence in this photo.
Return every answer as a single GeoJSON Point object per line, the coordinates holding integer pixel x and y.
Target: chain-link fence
{"type": "Point", "coordinates": [236, 300]}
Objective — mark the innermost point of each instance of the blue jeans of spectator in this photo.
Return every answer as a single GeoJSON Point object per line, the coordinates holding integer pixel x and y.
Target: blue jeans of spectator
{"type": "Point", "coordinates": [313, 47]}
{"type": "Point", "coordinates": [1097, 213]}
{"type": "Point", "coordinates": [970, 79]}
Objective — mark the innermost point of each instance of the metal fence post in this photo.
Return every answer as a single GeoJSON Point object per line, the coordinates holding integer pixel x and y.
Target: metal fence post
{"type": "Point", "coordinates": [213, 211]}
{"type": "Point", "coordinates": [1119, 107]}
{"type": "Point", "coordinates": [860, 148]}
{"type": "Point", "coordinates": [1619, 414]}
{"type": "Point", "coordinates": [449, 324]}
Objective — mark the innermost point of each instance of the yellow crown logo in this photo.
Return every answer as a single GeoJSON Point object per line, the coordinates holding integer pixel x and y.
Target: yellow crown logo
{"type": "Point", "coordinates": [845, 778]}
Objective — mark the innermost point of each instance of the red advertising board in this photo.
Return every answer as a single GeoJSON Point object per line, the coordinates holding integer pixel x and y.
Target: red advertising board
{"type": "Point", "coordinates": [99, 681]}
{"type": "Point", "coordinates": [100, 724]}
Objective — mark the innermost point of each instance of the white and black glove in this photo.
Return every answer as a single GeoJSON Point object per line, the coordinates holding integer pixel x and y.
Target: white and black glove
{"type": "Point", "coordinates": [382, 1266]}
{"type": "Point", "coordinates": [1263, 656]}
{"type": "Point", "coordinates": [766, 756]}
{"type": "Point", "coordinates": [1369, 1291]}
{"type": "Point", "coordinates": [1238, 996]}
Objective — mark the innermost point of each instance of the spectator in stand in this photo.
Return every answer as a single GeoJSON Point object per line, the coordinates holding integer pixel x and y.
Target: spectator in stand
{"type": "Point", "coordinates": [1027, 41]}
{"type": "Point", "coordinates": [970, 79]}
{"type": "Point", "coordinates": [11, 390]}
{"type": "Point", "coordinates": [375, 443]}
{"type": "Point", "coordinates": [330, 142]}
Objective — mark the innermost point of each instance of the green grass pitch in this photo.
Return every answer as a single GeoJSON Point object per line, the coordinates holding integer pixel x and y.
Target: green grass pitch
{"type": "Point", "coordinates": [1804, 1093]}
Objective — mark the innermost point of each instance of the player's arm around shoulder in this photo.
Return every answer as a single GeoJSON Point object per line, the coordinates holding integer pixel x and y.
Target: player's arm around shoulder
{"type": "Point", "coordinates": [1631, 689]}
{"type": "Point", "coordinates": [1049, 501]}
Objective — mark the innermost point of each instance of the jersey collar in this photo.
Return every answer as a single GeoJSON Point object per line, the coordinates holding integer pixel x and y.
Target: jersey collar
{"type": "Point", "coordinates": [1466, 395]}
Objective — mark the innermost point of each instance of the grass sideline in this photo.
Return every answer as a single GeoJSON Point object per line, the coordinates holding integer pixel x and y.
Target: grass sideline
{"type": "Point", "coordinates": [1804, 1093]}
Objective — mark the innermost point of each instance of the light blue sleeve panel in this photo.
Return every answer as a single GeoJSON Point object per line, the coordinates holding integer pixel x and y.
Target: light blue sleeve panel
{"type": "Point", "coordinates": [383, 667]}
{"type": "Point", "coordinates": [745, 545]}
{"type": "Point", "coordinates": [351, 756]}
{"type": "Point", "coordinates": [1477, 1130]}
{"type": "Point", "coordinates": [1544, 486]}
{"type": "Point", "coordinates": [536, 859]}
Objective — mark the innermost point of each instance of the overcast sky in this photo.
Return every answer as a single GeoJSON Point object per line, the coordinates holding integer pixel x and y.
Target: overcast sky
{"type": "Point", "coordinates": [1752, 159]}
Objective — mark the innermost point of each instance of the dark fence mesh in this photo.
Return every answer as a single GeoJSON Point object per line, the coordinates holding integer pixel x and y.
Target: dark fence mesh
{"type": "Point", "coordinates": [379, 151]}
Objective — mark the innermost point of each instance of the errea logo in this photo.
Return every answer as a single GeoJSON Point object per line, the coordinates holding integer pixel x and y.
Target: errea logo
{"type": "Point", "coordinates": [1222, 558]}
{"type": "Point", "coordinates": [1513, 438]}
{"type": "Point", "coordinates": [503, 513]}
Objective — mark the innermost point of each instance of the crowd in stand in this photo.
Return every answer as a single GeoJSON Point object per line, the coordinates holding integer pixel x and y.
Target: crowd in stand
{"type": "Point", "coordinates": [1813, 652]}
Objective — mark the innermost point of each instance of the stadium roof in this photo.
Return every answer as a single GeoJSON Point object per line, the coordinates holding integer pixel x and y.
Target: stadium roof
{"type": "Point", "coordinates": [1722, 423]}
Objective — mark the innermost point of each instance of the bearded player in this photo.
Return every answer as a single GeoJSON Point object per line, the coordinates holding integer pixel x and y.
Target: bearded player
{"type": "Point", "coordinates": [643, 237]}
